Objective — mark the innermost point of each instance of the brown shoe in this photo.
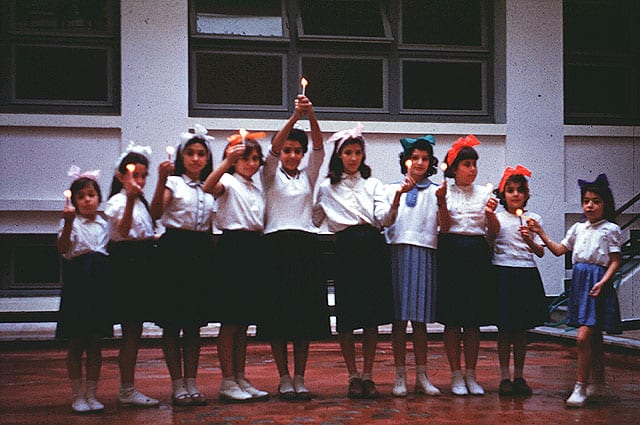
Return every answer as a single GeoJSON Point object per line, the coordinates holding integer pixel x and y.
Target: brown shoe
{"type": "Point", "coordinates": [369, 389]}
{"type": "Point", "coordinates": [355, 388]}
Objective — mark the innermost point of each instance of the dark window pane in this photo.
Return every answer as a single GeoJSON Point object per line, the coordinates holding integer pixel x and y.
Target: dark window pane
{"type": "Point", "coordinates": [448, 22]}
{"type": "Point", "coordinates": [225, 78]}
{"type": "Point", "coordinates": [601, 26]}
{"type": "Point", "coordinates": [598, 89]}
{"type": "Point", "coordinates": [62, 15]}
{"type": "Point", "coordinates": [342, 18]}
{"type": "Point", "coordinates": [37, 264]}
{"type": "Point", "coordinates": [239, 17]}
{"type": "Point", "coordinates": [442, 85]}
{"type": "Point", "coordinates": [342, 82]}
{"type": "Point", "coordinates": [61, 73]}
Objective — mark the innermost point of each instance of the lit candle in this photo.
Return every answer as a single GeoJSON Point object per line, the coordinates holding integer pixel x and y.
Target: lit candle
{"type": "Point", "coordinates": [519, 213]}
{"type": "Point", "coordinates": [443, 167]}
{"type": "Point", "coordinates": [408, 163]}
{"type": "Point", "coordinates": [489, 187]}
{"type": "Point", "coordinates": [243, 133]}
{"type": "Point", "coordinates": [67, 196]}
{"type": "Point", "coordinates": [130, 168]}
{"type": "Point", "coordinates": [304, 83]}
{"type": "Point", "coordinates": [170, 151]}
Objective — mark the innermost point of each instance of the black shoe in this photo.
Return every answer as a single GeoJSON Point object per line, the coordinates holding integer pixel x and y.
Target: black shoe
{"type": "Point", "coordinates": [506, 387]}
{"type": "Point", "coordinates": [520, 387]}
{"type": "Point", "coordinates": [369, 389]}
{"type": "Point", "coordinates": [355, 388]}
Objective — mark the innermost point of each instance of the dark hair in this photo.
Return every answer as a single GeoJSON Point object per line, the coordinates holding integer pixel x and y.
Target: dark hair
{"type": "Point", "coordinates": [607, 197]}
{"type": "Point", "coordinates": [300, 136]}
{"type": "Point", "coordinates": [79, 184]}
{"type": "Point", "coordinates": [130, 158]}
{"type": "Point", "coordinates": [251, 145]}
{"type": "Point", "coordinates": [465, 153]}
{"type": "Point", "coordinates": [180, 169]}
{"type": "Point", "coordinates": [517, 179]}
{"type": "Point", "coordinates": [336, 168]}
{"type": "Point", "coordinates": [422, 145]}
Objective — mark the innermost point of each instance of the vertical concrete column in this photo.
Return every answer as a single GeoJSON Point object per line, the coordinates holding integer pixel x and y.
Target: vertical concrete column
{"type": "Point", "coordinates": [535, 116]}
{"type": "Point", "coordinates": [155, 80]}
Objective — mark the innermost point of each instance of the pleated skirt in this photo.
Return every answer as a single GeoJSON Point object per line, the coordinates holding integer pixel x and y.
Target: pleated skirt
{"type": "Point", "coordinates": [584, 310]}
{"type": "Point", "coordinates": [521, 300]}
{"type": "Point", "coordinates": [413, 276]}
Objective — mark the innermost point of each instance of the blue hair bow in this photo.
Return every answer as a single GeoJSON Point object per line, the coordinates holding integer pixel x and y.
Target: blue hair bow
{"type": "Point", "coordinates": [600, 181]}
{"type": "Point", "coordinates": [407, 142]}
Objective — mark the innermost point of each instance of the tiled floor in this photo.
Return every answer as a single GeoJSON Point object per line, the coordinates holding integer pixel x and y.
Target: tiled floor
{"type": "Point", "coordinates": [34, 390]}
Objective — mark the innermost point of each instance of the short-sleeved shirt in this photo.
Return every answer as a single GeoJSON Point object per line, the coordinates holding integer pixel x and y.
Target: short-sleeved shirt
{"type": "Point", "coordinates": [593, 242]}
{"type": "Point", "coordinates": [241, 206]}
{"type": "Point", "coordinates": [352, 201]}
{"type": "Point", "coordinates": [87, 236]}
{"type": "Point", "coordinates": [509, 248]}
{"type": "Point", "coordinates": [466, 206]}
{"type": "Point", "coordinates": [191, 208]}
{"type": "Point", "coordinates": [417, 225]}
{"type": "Point", "coordinates": [141, 222]}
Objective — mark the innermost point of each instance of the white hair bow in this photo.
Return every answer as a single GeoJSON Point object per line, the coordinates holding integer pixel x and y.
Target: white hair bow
{"type": "Point", "coordinates": [344, 135]}
{"type": "Point", "coordinates": [132, 147]}
{"type": "Point", "coordinates": [75, 174]}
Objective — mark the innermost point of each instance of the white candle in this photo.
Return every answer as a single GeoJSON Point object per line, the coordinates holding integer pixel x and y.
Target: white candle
{"type": "Point", "coordinates": [67, 196]}
{"type": "Point", "coordinates": [170, 151]}
{"type": "Point", "coordinates": [489, 187]}
{"type": "Point", "coordinates": [304, 83]}
{"type": "Point", "coordinates": [243, 133]}
{"type": "Point", "coordinates": [408, 163]}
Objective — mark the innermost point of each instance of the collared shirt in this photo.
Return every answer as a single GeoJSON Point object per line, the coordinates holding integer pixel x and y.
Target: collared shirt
{"type": "Point", "coordinates": [289, 199]}
{"type": "Point", "coordinates": [141, 222]}
{"type": "Point", "coordinates": [417, 225]}
{"type": "Point", "coordinates": [87, 236]}
{"type": "Point", "coordinates": [241, 206]}
{"type": "Point", "coordinates": [509, 248]}
{"type": "Point", "coordinates": [353, 201]}
{"type": "Point", "coordinates": [191, 208]}
{"type": "Point", "coordinates": [593, 242]}
{"type": "Point", "coordinates": [466, 206]}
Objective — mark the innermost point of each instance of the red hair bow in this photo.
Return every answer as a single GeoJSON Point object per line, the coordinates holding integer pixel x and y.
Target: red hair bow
{"type": "Point", "coordinates": [508, 172]}
{"type": "Point", "coordinates": [468, 141]}
{"type": "Point", "coordinates": [237, 138]}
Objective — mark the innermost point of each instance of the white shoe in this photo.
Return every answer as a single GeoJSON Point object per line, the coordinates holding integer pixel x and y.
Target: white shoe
{"type": "Point", "coordinates": [231, 391]}
{"type": "Point", "coordinates": [473, 386]}
{"type": "Point", "coordinates": [424, 386]}
{"type": "Point", "coordinates": [80, 405]}
{"type": "Point", "coordinates": [133, 397]}
{"type": "Point", "coordinates": [458, 386]}
{"type": "Point", "coordinates": [94, 404]}
{"type": "Point", "coordinates": [578, 397]}
{"type": "Point", "coordinates": [598, 392]}
{"type": "Point", "coordinates": [302, 392]}
{"type": "Point", "coordinates": [246, 386]}
{"type": "Point", "coordinates": [400, 388]}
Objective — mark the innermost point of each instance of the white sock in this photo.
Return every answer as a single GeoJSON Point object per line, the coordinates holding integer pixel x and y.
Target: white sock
{"type": "Point", "coordinates": [178, 387]}
{"type": "Point", "coordinates": [126, 387]}
{"type": "Point", "coordinates": [190, 385]}
{"type": "Point", "coordinates": [76, 388]}
{"type": "Point", "coordinates": [504, 372]}
{"type": "Point", "coordinates": [421, 370]}
{"type": "Point", "coordinates": [92, 387]}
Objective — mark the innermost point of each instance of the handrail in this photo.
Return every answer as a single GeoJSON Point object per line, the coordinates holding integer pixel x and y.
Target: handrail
{"type": "Point", "coordinates": [625, 207]}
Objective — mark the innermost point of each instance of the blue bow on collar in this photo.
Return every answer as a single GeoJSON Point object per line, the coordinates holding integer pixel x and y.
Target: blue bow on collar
{"type": "Point", "coordinates": [600, 181]}
{"type": "Point", "coordinates": [411, 200]}
{"type": "Point", "coordinates": [407, 142]}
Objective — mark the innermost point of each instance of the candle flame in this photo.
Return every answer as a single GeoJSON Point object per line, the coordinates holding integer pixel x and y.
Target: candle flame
{"type": "Point", "coordinates": [443, 166]}
{"type": "Point", "coordinates": [170, 150]}
{"type": "Point", "coordinates": [130, 167]}
{"type": "Point", "coordinates": [408, 163]}
{"type": "Point", "coordinates": [243, 133]}
{"type": "Point", "coordinates": [489, 187]}
{"type": "Point", "coordinates": [303, 82]}
{"type": "Point", "coordinates": [67, 194]}
{"type": "Point", "coordinates": [519, 212]}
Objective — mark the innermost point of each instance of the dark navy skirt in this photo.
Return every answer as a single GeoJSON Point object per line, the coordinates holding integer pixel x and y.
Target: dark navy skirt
{"type": "Point", "coordinates": [521, 301]}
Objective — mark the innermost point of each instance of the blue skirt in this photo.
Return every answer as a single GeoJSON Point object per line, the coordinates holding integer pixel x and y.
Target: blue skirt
{"type": "Point", "coordinates": [603, 311]}
{"type": "Point", "coordinates": [413, 274]}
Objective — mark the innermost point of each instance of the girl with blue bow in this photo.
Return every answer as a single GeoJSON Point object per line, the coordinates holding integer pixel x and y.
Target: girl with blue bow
{"type": "Point", "coordinates": [413, 240]}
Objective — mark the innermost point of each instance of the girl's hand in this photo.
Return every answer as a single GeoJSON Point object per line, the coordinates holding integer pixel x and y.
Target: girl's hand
{"type": "Point", "coordinates": [69, 213]}
{"type": "Point", "coordinates": [533, 225]}
{"type": "Point", "coordinates": [407, 184]}
{"type": "Point", "coordinates": [302, 106]}
{"type": "Point", "coordinates": [132, 188]}
{"type": "Point", "coordinates": [235, 152]}
{"type": "Point", "coordinates": [165, 169]}
{"type": "Point", "coordinates": [596, 289]}
{"type": "Point", "coordinates": [491, 205]}
{"type": "Point", "coordinates": [441, 193]}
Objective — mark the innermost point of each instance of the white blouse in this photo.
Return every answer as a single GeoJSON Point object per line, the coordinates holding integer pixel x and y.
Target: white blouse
{"type": "Point", "coordinates": [87, 236]}
{"type": "Point", "coordinates": [353, 201]}
{"type": "Point", "coordinates": [191, 208]}
{"type": "Point", "coordinates": [593, 242]}
{"type": "Point", "coordinates": [141, 222]}
{"type": "Point", "coordinates": [289, 200]}
{"type": "Point", "coordinates": [466, 205]}
{"type": "Point", "coordinates": [241, 206]}
{"type": "Point", "coordinates": [509, 248]}
{"type": "Point", "coordinates": [417, 225]}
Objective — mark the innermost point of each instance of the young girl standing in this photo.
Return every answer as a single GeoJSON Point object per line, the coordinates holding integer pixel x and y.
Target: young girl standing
{"type": "Point", "coordinates": [521, 299]}
{"type": "Point", "coordinates": [297, 296]}
{"type": "Point", "coordinates": [131, 234]}
{"type": "Point", "coordinates": [184, 253]}
{"type": "Point", "coordinates": [240, 216]}
{"type": "Point", "coordinates": [356, 209]}
{"type": "Point", "coordinates": [593, 302]}
{"type": "Point", "coordinates": [465, 294]}
{"type": "Point", "coordinates": [413, 239]}
{"type": "Point", "coordinates": [83, 319]}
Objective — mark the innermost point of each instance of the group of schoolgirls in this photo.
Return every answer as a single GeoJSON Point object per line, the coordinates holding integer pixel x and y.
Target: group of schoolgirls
{"type": "Point", "coordinates": [414, 251]}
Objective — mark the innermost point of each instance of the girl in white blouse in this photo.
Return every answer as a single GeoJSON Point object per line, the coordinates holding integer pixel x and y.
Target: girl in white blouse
{"type": "Point", "coordinates": [466, 292]}
{"type": "Point", "coordinates": [83, 318]}
{"type": "Point", "coordinates": [596, 246]}
{"type": "Point", "coordinates": [184, 257]}
{"type": "Point", "coordinates": [131, 246]}
{"type": "Point", "coordinates": [356, 209]}
{"type": "Point", "coordinates": [239, 284]}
